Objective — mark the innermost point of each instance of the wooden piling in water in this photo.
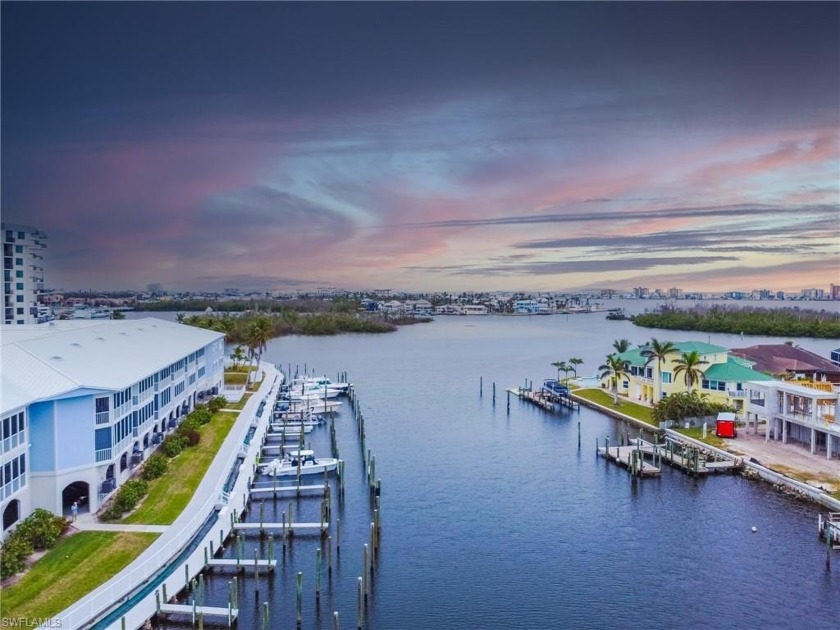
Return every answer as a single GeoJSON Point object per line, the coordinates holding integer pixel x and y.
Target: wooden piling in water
{"type": "Point", "coordinates": [318, 574]}
{"type": "Point", "coordinates": [359, 616]}
{"type": "Point", "coordinates": [299, 598]}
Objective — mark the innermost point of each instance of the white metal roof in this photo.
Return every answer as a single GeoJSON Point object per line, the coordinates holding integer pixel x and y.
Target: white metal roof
{"type": "Point", "coordinates": [40, 362]}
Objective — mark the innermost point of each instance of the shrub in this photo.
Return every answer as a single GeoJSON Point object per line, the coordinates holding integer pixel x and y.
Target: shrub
{"type": "Point", "coordinates": [155, 466]}
{"type": "Point", "coordinates": [15, 551]}
{"type": "Point", "coordinates": [173, 444]}
{"type": "Point", "coordinates": [202, 414]}
{"type": "Point", "coordinates": [191, 437]}
{"type": "Point", "coordinates": [127, 497]}
{"type": "Point", "coordinates": [217, 404]}
{"type": "Point", "coordinates": [190, 423]}
{"type": "Point", "coordinates": [41, 528]}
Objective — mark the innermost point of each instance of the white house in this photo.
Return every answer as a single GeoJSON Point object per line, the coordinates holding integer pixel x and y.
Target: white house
{"type": "Point", "coordinates": [796, 413]}
{"type": "Point", "coordinates": [83, 402]}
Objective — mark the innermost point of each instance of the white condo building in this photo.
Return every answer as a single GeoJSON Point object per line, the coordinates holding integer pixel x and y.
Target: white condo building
{"type": "Point", "coordinates": [84, 402]}
{"type": "Point", "coordinates": [23, 272]}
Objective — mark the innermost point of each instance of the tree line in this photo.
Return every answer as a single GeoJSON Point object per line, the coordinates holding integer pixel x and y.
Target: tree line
{"type": "Point", "coordinates": [782, 322]}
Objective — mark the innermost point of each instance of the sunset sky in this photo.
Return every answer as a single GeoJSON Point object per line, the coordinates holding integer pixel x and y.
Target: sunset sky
{"type": "Point", "coordinates": [425, 146]}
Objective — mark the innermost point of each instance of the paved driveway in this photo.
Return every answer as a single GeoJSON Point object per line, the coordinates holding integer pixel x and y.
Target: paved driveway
{"type": "Point", "coordinates": [792, 456]}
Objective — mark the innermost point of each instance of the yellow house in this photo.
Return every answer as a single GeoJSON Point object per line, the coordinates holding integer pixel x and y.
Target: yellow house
{"type": "Point", "coordinates": [723, 379]}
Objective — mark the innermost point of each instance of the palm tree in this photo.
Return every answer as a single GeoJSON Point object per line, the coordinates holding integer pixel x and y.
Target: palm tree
{"type": "Point", "coordinates": [259, 334]}
{"type": "Point", "coordinates": [573, 363]}
{"type": "Point", "coordinates": [614, 369]}
{"type": "Point", "coordinates": [180, 318]}
{"type": "Point", "coordinates": [238, 356]}
{"type": "Point", "coordinates": [561, 367]}
{"type": "Point", "coordinates": [225, 325]}
{"type": "Point", "coordinates": [659, 351]}
{"type": "Point", "coordinates": [688, 364]}
{"type": "Point", "coordinates": [621, 345]}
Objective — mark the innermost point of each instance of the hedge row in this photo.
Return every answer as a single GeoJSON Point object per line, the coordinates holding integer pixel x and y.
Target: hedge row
{"type": "Point", "coordinates": [39, 530]}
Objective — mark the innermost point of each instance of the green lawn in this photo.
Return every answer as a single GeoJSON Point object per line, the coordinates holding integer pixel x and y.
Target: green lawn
{"type": "Point", "coordinates": [640, 412]}
{"type": "Point", "coordinates": [169, 494]}
{"type": "Point", "coordinates": [236, 378]}
{"type": "Point", "coordinates": [73, 568]}
{"type": "Point", "coordinates": [697, 433]}
{"type": "Point", "coordinates": [241, 404]}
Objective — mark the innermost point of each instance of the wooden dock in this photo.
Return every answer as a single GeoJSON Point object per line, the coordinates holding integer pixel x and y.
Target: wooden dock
{"type": "Point", "coordinates": [263, 489]}
{"type": "Point", "coordinates": [291, 527]}
{"type": "Point", "coordinates": [689, 459]}
{"type": "Point", "coordinates": [241, 565]}
{"type": "Point", "coordinates": [632, 458]}
{"type": "Point", "coordinates": [544, 399]}
{"type": "Point", "coordinates": [828, 527]}
{"type": "Point", "coordinates": [194, 611]}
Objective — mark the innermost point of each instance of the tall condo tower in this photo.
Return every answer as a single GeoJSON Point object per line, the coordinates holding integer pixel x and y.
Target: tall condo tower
{"type": "Point", "coordinates": [23, 273]}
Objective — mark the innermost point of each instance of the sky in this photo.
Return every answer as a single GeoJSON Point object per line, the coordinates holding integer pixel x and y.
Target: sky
{"type": "Point", "coordinates": [547, 146]}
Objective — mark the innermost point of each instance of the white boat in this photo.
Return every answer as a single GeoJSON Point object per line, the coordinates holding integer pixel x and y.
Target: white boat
{"type": "Point", "coordinates": [290, 428]}
{"type": "Point", "coordinates": [301, 462]}
{"type": "Point", "coordinates": [309, 393]}
{"type": "Point", "coordinates": [319, 382]}
{"type": "Point", "coordinates": [295, 409]}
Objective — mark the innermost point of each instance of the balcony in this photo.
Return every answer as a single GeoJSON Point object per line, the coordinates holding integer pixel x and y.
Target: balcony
{"type": "Point", "coordinates": [103, 454]}
{"type": "Point", "coordinates": [737, 393]}
{"type": "Point", "coordinates": [103, 417]}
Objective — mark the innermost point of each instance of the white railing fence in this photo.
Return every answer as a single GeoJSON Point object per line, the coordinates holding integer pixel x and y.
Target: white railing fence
{"type": "Point", "coordinates": [169, 544]}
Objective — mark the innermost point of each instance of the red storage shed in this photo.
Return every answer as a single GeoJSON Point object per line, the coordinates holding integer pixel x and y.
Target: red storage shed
{"type": "Point", "coordinates": [726, 425]}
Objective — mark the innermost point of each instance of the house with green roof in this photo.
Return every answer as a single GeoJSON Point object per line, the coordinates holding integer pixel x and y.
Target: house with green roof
{"type": "Point", "coordinates": [723, 380]}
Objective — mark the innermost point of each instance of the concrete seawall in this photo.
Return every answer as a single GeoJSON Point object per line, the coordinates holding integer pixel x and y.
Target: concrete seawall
{"type": "Point", "coordinates": [802, 489]}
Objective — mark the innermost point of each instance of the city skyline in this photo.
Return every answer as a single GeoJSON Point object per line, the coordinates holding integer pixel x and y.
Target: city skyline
{"type": "Point", "coordinates": [426, 146]}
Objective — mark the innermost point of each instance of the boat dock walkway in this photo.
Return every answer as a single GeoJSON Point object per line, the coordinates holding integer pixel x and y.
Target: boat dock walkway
{"type": "Point", "coordinates": [828, 527]}
{"type": "Point", "coordinates": [290, 527]}
{"type": "Point", "coordinates": [632, 458]}
{"type": "Point", "coordinates": [241, 565]}
{"type": "Point", "coordinates": [274, 489]}
{"type": "Point", "coordinates": [195, 611]}
{"type": "Point", "coordinates": [689, 459]}
{"type": "Point", "coordinates": [551, 396]}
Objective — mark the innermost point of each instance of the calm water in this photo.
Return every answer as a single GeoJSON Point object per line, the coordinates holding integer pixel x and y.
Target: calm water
{"type": "Point", "coordinates": [497, 520]}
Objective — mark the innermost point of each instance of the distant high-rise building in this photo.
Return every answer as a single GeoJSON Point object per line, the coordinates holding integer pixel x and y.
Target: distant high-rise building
{"type": "Point", "coordinates": [23, 273]}
{"type": "Point", "coordinates": [641, 292]}
{"type": "Point", "coordinates": [674, 292]}
{"type": "Point", "coordinates": [835, 291]}
{"type": "Point", "coordinates": [155, 287]}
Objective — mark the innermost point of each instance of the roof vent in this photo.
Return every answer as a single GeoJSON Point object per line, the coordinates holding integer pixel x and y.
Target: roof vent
{"type": "Point", "coordinates": [124, 334]}
{"type": "Point", "coordinates": [77, 344]}
{"type": "Point", "coordinates": [101, 338]}
{"type": "Point", "coordinates": [56, 358]}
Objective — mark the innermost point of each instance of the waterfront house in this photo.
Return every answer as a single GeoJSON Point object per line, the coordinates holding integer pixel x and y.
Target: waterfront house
{"type": "Point", "coordinates": [723, 379]}
{"type": "Point", "coordinates": [795, 412]}
{"type": "Point", "coordinates": [790, 362]}
{"type": "Point", "coordinates": [84, 402]}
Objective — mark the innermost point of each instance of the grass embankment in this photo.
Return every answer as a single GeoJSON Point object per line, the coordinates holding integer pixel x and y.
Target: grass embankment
{"type": "Point", "coordinates": [697, 433]}
{"type": "Point", "coordinates": [70, 570]}
{"type": "Point", "coordinates": [639, 412]}
{"type": "Point", "coordinates": [169, 494]}
{"type": "Point", "coordinates": [241, 404]}
{"type": "Point", "coordinates": [235, 378]}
